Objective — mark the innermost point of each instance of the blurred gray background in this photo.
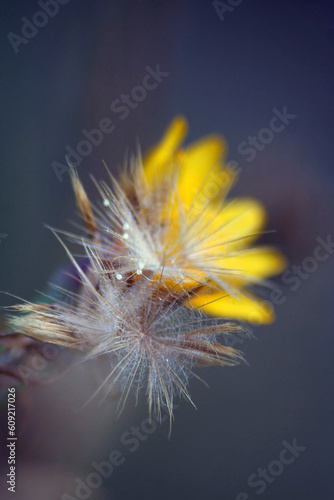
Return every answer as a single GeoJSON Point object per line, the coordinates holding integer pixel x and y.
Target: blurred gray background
{"type": "Point", "coordinates": [225, 76]}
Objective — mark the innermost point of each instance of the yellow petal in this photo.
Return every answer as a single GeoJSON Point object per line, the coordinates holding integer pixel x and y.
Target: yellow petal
{"type": "Point", "coordinates": [256, 263]}
{"type": "Point", "coordinates": [243, 308]}
{"type": "Point", "coordinates": [232, 227]}
{"type": "Point", "coordinates": [202, 176]}
{"type": "Point", "coordinates": [156, 161]}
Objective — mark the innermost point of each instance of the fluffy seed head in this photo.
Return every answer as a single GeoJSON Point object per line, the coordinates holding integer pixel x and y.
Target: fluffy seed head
{"type": "Point", "coordinates": [152, 339]}
{"type": "Point", "coordinates": [162, 245]}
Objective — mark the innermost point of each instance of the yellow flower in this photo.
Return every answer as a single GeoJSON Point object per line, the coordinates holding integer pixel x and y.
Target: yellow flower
{"type": "Point", "coordinates": [164, 241]}
{"type": "Point", "coordinates": [201, 235]}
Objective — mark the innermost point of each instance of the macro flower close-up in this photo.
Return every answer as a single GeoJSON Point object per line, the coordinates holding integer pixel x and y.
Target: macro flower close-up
{"type": "Point", "coordinates": [156, 248]}
{"type": "Point", "coordinates": [166, 250]}
{"type": "Point", "coordinates": [171, 214]}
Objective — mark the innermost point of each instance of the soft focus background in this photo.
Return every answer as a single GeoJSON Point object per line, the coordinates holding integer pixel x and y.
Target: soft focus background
{"type": "Point", "coordinates": [225, 74]}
